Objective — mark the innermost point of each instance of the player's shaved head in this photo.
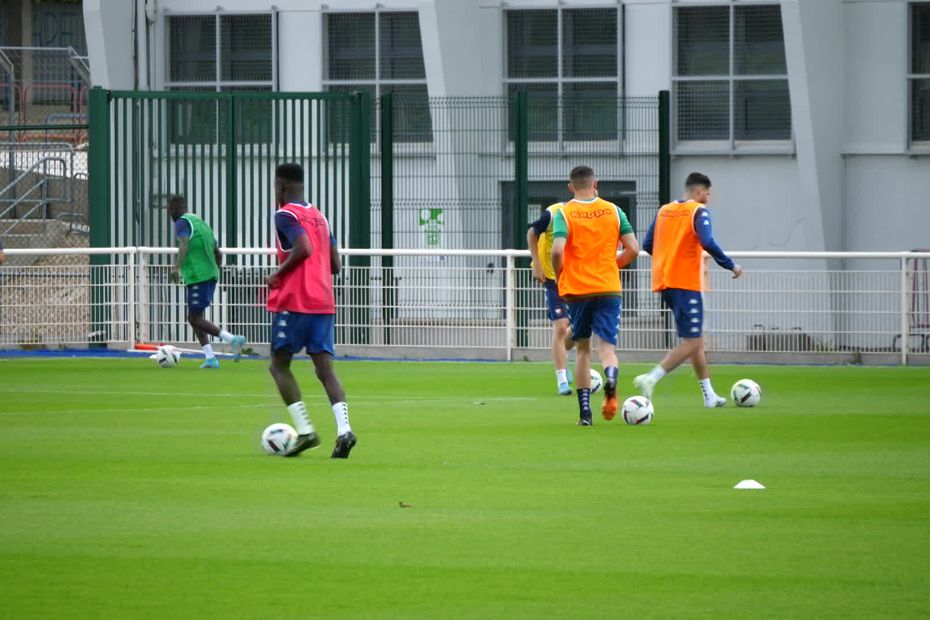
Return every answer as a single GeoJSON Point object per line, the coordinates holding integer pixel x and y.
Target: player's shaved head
{"type": "Point", "coordinates": [177, 206]}
{"type": "Point", "coordinates": [582, 177]}
{"type": "Point", "coordinates": [696, 179]}
{"type": "Point", "coordinates": [697, 187]}
{"type": "Point", "coordinates": [288, 183]}
{"type": "Point", "coordinates": [290, 173]}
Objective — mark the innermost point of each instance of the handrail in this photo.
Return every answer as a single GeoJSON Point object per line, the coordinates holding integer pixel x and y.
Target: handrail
{"type": "Point", "coordinates": [8, 65]}
{"type": "Point", "coordinates": [22, 199]}
{"type": "Point", "coordinates": [42, 182]}
{"type": "Point", "coordinates": [30, 170]}
{"type": "Point", "coordinates": [77, 62]}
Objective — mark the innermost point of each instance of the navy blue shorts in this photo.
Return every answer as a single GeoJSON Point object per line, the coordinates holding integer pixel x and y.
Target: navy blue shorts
{"type": "Point", "coordinates": [688, 309]}
{"type": "Point", "coordinates": [295, 331]}
{"type": "Point", "coordinates": [600, 315]}
{"type": "Point", "coordinates": [555, 306]}
{"type": "Point", "coordinates": [200, 295]}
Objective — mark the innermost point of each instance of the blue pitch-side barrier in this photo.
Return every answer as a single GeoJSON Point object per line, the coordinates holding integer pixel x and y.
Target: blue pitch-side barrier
{"type": "Point", "coordinates": [106, 353]}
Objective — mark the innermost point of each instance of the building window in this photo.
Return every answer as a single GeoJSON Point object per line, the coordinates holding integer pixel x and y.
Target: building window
{"type": "Point", "coordinates": [381, 53]}
{"type": "Point", "coordinates": [920, 73]}
{"type": "Point", "coordinates": [221, 52]}
{"type": "Point", "coordinates": [730, 76]}
{"type": "Point", "coordinates": [567, 56]}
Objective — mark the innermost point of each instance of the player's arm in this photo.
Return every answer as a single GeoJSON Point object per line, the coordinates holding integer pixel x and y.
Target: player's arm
{"type": "Point", "coordinates": [532, 242]}
{"type": "Point", "coordinates": [705, 233]}
{"type": "Point", "coordinates": [183, 230]}
{"type": "Point", "coordinates": [217, 255]}
{"type": "Point", "coordinates": [627, 241]}
{"type": "Point", "coordinates": [297, 244]}
{"type": "Point", "coordinates": [335, 264]}
{"type": "Point", "coordinates": [560, 238]}
{"type": "Point", "coordinates": [2, 257]}
{"type": "Point", "coordinates": [649, 239]}
{"type": "Point", "coordinates": [630, 250]}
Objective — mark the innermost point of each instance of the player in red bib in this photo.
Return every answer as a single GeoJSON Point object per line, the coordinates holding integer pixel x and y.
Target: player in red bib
{"type": "Point", "coordinates": [302, 300]}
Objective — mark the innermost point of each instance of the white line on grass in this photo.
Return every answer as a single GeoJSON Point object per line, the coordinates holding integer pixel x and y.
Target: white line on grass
{"type": "Point", "coordinates": [371, 397]}
{"type": "Point", "coordinates": [171, 409]}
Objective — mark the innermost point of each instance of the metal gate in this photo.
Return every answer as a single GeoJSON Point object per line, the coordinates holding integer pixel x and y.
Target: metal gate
{"type": "Point", "coordinates": [220, 149]}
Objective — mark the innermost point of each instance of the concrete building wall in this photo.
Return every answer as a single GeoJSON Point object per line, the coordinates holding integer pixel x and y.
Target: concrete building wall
{"type": "Point", "coordinates": [851, 180]}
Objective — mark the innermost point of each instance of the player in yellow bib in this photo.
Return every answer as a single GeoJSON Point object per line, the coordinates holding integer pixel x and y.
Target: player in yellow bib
{"type": "Point", "coordinates": [588, 232]}
{"type": "Point", "coordinates": [539, 239]}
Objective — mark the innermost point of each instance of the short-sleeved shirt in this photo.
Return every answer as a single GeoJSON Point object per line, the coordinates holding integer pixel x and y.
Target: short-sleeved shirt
{"type": "Point", "coordinates": [308, 288]}
{"type": "Point", "coordinates": [183, 229]}
{"type": "Point", "coordinates": [592, 229]}
{"type": "Point", "coordinates": [542, 227]}
{"type": "Point", "coordinates": [287, 229]}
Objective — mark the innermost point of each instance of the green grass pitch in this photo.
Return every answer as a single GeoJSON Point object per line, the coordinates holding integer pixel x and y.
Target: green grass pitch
{"type": "Point", "coordinates": [130, 491]}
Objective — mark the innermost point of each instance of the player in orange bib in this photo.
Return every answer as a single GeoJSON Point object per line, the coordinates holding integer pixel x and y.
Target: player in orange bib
{"type": "Point", "coordinates": [588, 231]}
{"type": "Point", "coordinates": [677, 240]}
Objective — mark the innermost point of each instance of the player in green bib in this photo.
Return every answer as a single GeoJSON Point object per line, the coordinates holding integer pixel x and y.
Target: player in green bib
{"type": "Point", "coordinates": [198, 267]}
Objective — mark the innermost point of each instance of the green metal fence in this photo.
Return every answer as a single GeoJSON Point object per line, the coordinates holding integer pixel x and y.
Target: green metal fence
{"type": "Point", "coordinates": [220, 151]}
{"type": "Point", "coordinates": [489, 165]}
{"type": "Point", "coordinates": [471, 172]}
{"type": "Point", "coordinates": [467, 172]}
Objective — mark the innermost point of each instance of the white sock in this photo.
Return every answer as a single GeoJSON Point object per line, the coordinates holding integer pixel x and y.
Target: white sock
{"type": "Point", "coordinates": [225, 336]}
{"type": "Point", "coordinates": [301, 417]}
{"type": "Point", "coordinates": [208, 352]}
{"type": "Point", "coordinates": [707, 389]}
{"type": "Point", "coordinates": [561, 376]}
{"type": "Point", "coordinates": [657, 373]}
{"type": "Point", "coordinates": [341, 413]}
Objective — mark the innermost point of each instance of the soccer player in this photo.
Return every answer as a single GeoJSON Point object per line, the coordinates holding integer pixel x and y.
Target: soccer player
{"type": "Point", "coordinates": [539, 240]}
{"type": "Point", "coordinates": [676, 238]}
{"type": "Point", "coordinates": [198, 267]}
{"type": "Point", "coordinates": [588, 231]}
{"type": "Point", "coordinates": [304, 307]}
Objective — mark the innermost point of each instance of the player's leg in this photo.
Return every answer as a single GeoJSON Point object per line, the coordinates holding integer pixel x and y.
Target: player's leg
{"type": "Point", "coordinates": [679, 303]}
{"type": "Point", "coordinates": [285, 342]}
{"type": "Point", "coordinates": [580, 313]}
{"type": "Point", "coordinates": [583, 380]}
{"type": "Point", "coordinates": [557, 313]}
{"type": "Point", "coordinates": [606, 328]}
{"type": "Point", "coordinates": [345, 440]}
{"type": "Point", "coordinates": [702, 370]}
{"type": "Point", "coordinates": [321, 331]}
{"type": "Point", "coordinates": [199, 298]}
{"type": "Point", "coordinates": [202, 295]}
{"type": "Point", "coordinates": [560, 333]}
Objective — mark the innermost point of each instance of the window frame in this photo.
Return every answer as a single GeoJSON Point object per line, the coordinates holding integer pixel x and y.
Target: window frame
{"type": "Point", "coordinates": [377, 83]}
{"type": "Point", "coordinates": [730, 145]}
{"type": "Point", "coordinates": [921, 147]}
{"type": "Point", "coordinates": [218, 84]}
{"type": "Point", "coordinates": [561, 143]}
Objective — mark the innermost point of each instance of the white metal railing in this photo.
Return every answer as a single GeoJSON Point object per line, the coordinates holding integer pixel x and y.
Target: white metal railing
{"type": "Point", "coordinates": [475, 303]}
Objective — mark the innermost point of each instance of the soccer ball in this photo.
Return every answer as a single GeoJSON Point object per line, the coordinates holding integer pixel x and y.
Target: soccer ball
{"type": "Point", "coordinates": [637, 410]}
{"type": "Point", "coordinates": [167, 356]}
{"type": "Point", "coordinates": [278, 439]}
{"type": "Point", "coordinates": [746, 393]}
{"type": "Point", "coordinates": [596, 382]}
